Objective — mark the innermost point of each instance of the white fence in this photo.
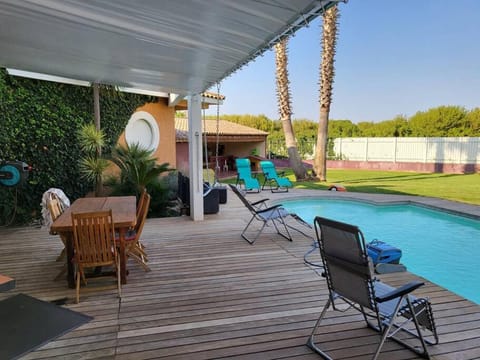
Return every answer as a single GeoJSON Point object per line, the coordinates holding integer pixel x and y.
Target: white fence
{"type": "Point", "coordinates": [451, 150]}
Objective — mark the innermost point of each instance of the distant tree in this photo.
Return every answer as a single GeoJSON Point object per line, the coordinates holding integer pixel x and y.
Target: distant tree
{"type": "Point", "coordinates": [400, 126]}
{"type": "Point", "coordinates": [342, 128]}
{"type": "Point", "coordinates": [260, 122]}
{"type": "Point", "coordinates": [305, 128]}
{"type": "Point", "coordinates": [306, 134]}
{"type": "Point", "coordinates": [366, 129]}
{"type": "Point", "coordinates": [473, 121]}
{"type": "Point", "coordinates": [441, 121]}
{"type": "Point", "coordinates": [397, 127]}
{"type": "Point", "coordinates": [327, 73]}
{"type": "Point", "coordinates": [284, 108]}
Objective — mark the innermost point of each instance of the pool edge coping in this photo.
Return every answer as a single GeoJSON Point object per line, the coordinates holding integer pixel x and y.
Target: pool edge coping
{"type": "Point", "coordinates": [447, 206]}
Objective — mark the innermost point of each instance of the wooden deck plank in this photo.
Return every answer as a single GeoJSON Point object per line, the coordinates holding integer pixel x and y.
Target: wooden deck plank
{"type": "Point", "coordinates": [212, 295]}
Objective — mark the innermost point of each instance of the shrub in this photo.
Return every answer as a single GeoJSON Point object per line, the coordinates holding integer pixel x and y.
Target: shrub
{"type": "Point", "coordinates": [139, 171]}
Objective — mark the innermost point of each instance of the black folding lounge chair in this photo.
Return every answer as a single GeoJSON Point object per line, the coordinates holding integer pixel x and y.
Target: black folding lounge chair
{"type": "Point", "coordinates": [274, 214]}
{"type": "Point", "coordinates": [349, 273]}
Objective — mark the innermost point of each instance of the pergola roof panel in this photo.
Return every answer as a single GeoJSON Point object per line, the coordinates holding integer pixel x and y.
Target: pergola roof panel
{"type": "Point", "coordinates": [172, 46]}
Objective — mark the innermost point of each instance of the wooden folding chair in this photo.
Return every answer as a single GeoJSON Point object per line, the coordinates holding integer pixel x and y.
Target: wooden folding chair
{"type": "Point", "coordinates": [133, 247]}
{"type": "Point", "coordinates": [94, 245]}
{"type": "Point", "coordinates": [141, 199]}
{"type": "Point", "coordinates": [56, 209]}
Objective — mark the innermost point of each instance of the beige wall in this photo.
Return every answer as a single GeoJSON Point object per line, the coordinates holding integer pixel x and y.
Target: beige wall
{"type": "Point", "coordinates": [165, 118]}
{"type": "Point", "coordinates": [245, 148]}
{"type": "Point", "coordinates": [182, 157]}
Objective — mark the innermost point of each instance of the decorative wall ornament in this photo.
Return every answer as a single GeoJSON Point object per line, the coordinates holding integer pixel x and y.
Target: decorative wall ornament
{"type": "Point", "coordinates": [142, 128]}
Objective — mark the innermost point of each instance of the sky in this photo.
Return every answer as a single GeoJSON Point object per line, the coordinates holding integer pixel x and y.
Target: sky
{"type": "Point", "coordinates": [394, 57]}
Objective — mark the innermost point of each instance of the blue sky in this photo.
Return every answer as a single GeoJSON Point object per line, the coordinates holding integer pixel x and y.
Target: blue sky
{"type": "Point", "coordinates": [394, 57]}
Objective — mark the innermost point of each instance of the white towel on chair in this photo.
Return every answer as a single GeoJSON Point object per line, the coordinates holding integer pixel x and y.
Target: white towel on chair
{"type": "Point", "coordinates": [65, 202]}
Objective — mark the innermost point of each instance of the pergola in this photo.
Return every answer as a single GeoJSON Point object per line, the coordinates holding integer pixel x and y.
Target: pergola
{"type": "Point", "coordinates": [179, 48]}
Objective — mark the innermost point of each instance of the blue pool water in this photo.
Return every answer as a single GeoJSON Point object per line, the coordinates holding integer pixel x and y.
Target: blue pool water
{"type": "Point", "coordinates": [438, 246]}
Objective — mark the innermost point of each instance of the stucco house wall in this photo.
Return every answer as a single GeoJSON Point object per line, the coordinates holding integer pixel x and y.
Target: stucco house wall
{"type": "Point", "coordinates": [165, 118]}
{"type": "Point", "coordinates": [246, 148]}
{"type": "Point", "coordinates": [182, 156]}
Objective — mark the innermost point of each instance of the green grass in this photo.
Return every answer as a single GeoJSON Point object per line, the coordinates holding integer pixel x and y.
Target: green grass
{"type": "Point", "coordinates": [455, 187]}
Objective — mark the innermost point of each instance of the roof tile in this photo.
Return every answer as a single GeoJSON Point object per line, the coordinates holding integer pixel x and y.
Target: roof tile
{"type": "Point", "coordinates": [210, 127]}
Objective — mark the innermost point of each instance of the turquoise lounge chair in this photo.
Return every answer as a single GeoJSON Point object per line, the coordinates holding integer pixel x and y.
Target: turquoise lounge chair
{"type": "Point", "coordinates": [244, 174]}
{"type": "Point", "coordinates": [277, 183]}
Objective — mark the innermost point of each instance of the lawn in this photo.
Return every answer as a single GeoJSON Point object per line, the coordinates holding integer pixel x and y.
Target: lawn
{"type": "Point", "coordinates": [456, 187]}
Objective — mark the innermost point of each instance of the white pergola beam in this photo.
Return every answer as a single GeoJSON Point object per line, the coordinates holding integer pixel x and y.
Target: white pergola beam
{"type": "Point", "coordinates": [174, 99]}
{"type": "Point", "coordinates": [195, 156]}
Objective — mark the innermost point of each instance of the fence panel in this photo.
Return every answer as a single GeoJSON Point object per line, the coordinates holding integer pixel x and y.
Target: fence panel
{"type": "Point", "coordinates": [382, 149]}
{"type": "Point", "coordinates": [355, 149]}
{"type": "Point", "coordinates": [458, 150]}
{"type": "Point", "coordinates": [411, 149]}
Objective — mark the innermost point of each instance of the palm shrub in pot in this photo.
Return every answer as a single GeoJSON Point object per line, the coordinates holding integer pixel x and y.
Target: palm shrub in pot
{"type": "Point", "coordinates": [138, 171]}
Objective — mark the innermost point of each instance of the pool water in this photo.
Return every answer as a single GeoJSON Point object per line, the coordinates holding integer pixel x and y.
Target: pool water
{"type": "Point", "coordinates": [438, 246]}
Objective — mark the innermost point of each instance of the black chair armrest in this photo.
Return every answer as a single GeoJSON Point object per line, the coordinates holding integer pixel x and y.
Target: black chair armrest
{"type": "Point", "coordinates": [402, 290]}
{"type": "Point", "coordinates": [259, 202]}
{"type": "Point", "coordinates": [269, 208]}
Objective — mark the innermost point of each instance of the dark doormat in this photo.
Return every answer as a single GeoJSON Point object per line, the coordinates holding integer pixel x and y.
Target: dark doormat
{"type": "Point", "coordinates": [27, 323]}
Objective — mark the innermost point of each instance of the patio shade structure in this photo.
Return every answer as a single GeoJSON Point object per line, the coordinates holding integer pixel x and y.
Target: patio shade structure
{"type": "Point", "coordinates": [180, 48]}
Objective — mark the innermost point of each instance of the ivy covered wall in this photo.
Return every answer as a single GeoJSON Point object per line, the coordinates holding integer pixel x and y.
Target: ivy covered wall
{"type": "Point", "coordinates": [38, 125]}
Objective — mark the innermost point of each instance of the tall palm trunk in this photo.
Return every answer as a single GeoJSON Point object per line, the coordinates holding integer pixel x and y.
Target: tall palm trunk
{"type": "Point", "coordinates": [327, 73]}
{"type": "Point", "coordinates": [284, 108]}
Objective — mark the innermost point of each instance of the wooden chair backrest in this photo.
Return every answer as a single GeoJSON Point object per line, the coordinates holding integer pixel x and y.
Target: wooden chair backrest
{"type": "Point", "coordinates": [142, 215]}
{"type": "Point", "coordinates": [141, 199]}
{"type": "Point", "coordinates": [55, 208]}
{"type": "Point", "coordinates": [94, 238]}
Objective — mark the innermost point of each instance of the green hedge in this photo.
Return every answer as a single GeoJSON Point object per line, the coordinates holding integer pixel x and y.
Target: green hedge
{"type": "Point", "coordinates": [38, 124]}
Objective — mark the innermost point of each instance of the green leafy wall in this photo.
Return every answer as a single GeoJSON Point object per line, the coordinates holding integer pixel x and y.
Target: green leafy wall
{"type": "Point", "coordinates": [38, 124]}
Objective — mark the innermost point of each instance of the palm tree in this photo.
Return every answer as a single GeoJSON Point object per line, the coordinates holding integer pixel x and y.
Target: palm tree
{"type": "Point", "coordinates": [327, 73]}
{"type": "Point", "coordinates": [284, 108]}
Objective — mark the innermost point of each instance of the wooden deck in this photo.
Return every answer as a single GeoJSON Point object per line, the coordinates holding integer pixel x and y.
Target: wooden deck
{"type": "Point", "coordinates": [212, 295]}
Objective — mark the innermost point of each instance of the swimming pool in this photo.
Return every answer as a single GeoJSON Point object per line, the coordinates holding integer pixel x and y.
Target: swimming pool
{"type": "Point", "coordinates": [438, 246]}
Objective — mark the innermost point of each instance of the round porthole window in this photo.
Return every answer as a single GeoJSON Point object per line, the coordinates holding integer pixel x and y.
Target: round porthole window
{"type": "Point", "coordinates": [142, 129]}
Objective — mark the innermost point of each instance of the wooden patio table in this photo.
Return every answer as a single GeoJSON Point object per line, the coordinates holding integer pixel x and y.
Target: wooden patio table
{"type": "Point", "coordinates": [124, 217]}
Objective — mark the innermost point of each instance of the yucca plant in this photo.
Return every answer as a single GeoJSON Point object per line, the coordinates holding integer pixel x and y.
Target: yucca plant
{"type": "Point", "coordinates": [92, 165]}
